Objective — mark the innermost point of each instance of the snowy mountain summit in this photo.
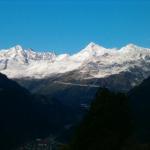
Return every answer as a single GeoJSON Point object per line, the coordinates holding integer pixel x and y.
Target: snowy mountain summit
{"type": "Point", "coordinates": [95, 61]}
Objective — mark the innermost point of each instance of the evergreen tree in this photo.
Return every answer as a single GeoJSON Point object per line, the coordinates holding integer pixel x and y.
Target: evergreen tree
{"type": "Point", "coordinates": [107, 125]}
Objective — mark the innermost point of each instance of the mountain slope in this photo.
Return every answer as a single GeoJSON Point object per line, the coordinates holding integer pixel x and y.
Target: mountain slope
{"type": "Point", "coordinates": [18, 121]}
{"type": "Point", "coordinates": [24, 116]}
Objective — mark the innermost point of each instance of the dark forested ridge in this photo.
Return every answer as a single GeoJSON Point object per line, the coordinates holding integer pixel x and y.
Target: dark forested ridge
{"type": "Point", "coordinates": [19, 118]}
{"type": "Point", "coordinates": [116, 121]}
{"type": "Point", "coordinates": [16, 113]}
{"type": "Point", "coordinates": [107, 125]}
{"type": "Point", "coordinates": [24, 116]}
{"type": "Point", "coordinates": [140, 101]}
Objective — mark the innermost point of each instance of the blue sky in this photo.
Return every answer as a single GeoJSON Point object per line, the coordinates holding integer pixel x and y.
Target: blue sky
{"type": "Point", "coordinates": [69, 25]}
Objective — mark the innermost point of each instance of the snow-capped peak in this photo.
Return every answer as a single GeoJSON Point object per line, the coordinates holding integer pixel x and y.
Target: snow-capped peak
{"type": "Point", "coordinates": [90, 51]}
{"type": "Point", "coordinates": [19, 47]}
{"type": "Point", "coordinates": [131, 45]}
{"type": "Point", "coordinates": [93, 47]}
{"type": "Point", "coordinates": [133, 49]}
{"type": "Point", "coordinates": [15, 49]}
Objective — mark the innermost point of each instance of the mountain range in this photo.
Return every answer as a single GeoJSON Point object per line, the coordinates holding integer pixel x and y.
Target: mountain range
{"type": "Point", "coordinates": [63, 86]}
{"type": "Point", "coordinates": [93, 61]}
{"type": "Point", "coordinates": [74, 79]}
